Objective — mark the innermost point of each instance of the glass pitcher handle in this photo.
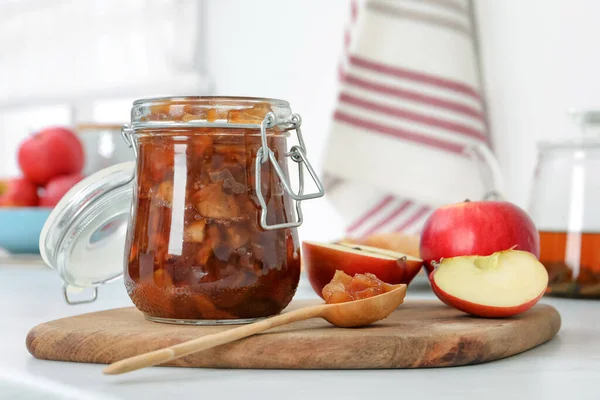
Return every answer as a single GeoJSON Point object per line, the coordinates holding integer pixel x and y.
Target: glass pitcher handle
{"type": "Point", "coordinates": [489, 170]}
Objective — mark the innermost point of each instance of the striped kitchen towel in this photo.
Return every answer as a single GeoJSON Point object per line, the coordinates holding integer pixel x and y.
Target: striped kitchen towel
{"type": "Point", "coordinates": [409, 129]}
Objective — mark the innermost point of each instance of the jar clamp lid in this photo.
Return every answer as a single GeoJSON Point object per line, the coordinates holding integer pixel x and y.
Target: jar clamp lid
{"type": "Point", "coordinates": [84, 237]}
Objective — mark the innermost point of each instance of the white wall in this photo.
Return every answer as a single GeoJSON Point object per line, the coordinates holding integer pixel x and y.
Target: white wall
{"type": "Point", "coordinates": [540, 58]}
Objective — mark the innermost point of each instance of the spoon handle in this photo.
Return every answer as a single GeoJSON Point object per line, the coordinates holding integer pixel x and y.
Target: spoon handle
{"type": "Point", "coordinates": [206, 342]}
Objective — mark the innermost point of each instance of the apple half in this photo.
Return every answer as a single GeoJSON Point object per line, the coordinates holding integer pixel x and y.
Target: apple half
{"type": "Point", "coordinates": [503, 284]}
{"type": "Point", "coordinates": [321, 260]}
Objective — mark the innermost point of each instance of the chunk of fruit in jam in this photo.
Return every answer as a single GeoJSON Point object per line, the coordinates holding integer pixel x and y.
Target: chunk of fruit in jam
{"type": "Point", "coordinates": [162, 278]}
{"type": "Point", "coordinates": [213, 202]}
{"type": "Point", "coordinates": [215, 114]}
{"type": "Point", "coordinates": [191, 113]}
{"type": "Point", "coordinates": [164, 193]}
{"type": "Point", "coordinates": [253, 115]}
{"type": "Point", "coordinates": [237, 236]}
{"type": "Point", "coordinates": [159, 112]}
{"type": "Point", "coordinates": [344, 288]}
{"type": "Point", "coordinates": [229, 181]}
{"type": "Point", "coordinates": [194, 232]}
{"type": "Point", "coordinates": [157, 161]}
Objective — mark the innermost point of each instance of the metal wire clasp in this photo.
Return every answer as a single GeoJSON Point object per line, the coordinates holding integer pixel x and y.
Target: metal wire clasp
{"type": "Point", "coordinates": [126, 134]}
{"type": "Point", "coordinates": [84, 301]}
{"type": "Point", "coordinates": [298, 154]}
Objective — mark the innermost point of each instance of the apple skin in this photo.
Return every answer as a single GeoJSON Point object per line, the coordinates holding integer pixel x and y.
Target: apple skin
{"type": "Point", "coordinates": [18, 192]}
{"type": "Point", "coordinates": [57, 188]}
{"type": "Point", "coordinates": [50, 153]}
{"type": "Point", "coordinates": [480, 310]}
{"type": "Point", "coordinates": [321, 263]}
{"type": "Point", "coordinates": [476, 228]}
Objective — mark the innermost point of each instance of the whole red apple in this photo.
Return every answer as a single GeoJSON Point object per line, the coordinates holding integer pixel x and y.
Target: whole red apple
{"type": "Point", "coordinates": [477, 228]}
{"type": "Point", "coordinates": [18, 192]}
{"type": "Point", "coordinates": [56, 189]}
{"type": "Point", "coordinates": [50, 153]}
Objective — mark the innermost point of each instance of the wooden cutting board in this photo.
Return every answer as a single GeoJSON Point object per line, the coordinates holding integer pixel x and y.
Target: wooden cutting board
{"type": "Point", "coordinates": [418, 334]}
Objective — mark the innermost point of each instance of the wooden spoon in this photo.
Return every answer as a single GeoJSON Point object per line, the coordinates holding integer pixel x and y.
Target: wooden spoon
{"type": "Point", "coordinates": [345, 315]}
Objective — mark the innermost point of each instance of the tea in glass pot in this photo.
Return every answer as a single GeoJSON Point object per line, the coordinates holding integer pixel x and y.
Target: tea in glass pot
{"type": "Point", "coordinates": [566, 193]}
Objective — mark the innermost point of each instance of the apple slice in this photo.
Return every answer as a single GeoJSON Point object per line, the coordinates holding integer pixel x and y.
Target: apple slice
{"type": "Point", "coordinates": [500, 285]}
{"type": "Point", "coordinates": [321, 260]}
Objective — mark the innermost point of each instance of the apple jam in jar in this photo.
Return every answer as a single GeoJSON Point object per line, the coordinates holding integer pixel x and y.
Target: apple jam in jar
{"type": "Point", "coordinates": [197, 247]}
{"type": "Point", "coordinates": [206, 217]}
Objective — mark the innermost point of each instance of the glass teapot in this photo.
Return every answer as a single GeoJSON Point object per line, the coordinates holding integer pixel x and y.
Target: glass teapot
{"type": "Point", "coordinates": [565, 193]}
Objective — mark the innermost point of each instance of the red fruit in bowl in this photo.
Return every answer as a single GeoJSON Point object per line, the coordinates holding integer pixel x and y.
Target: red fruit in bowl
{"type": "Point", "coordinates": [56, 189]}
{"type": "Point", "coordinates": [477, 228]}
{"type": "Point", "coordinates": [49, 153]}
{"type": "Point", "coordinates": [18, 192]}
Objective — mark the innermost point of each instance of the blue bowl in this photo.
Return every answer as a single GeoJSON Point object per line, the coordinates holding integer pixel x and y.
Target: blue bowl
{"type": "Point", "coordinates": [20, 228]}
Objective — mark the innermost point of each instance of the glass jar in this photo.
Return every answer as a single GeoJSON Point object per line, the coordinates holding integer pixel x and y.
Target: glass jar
{"type": "Point", "coordinates": [566, 190]}
{"type": "Point", "coordinates": [211, 224]}
{"type": "Point", "coordinates": [103, 146]}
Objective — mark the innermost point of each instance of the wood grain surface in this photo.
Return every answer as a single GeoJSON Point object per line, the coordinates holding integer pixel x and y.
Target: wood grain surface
{"type": "Point", "coordinates": [418, 334]}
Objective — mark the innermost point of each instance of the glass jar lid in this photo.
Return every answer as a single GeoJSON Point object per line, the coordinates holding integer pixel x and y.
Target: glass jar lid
{"type": "Point", "coordinates": [84, 236]}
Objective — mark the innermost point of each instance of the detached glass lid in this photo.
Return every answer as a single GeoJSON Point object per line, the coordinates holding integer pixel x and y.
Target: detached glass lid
{"type": "Point", "coordinates": [84, 236]}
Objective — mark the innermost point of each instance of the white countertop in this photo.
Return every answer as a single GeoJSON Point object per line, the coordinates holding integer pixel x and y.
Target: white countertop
{"type": "Point", "coordinates": [566, 367]}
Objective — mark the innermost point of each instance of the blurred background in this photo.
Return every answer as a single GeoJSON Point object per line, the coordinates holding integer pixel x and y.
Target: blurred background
{"type": "Point", "coordinates": [84, 62]}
